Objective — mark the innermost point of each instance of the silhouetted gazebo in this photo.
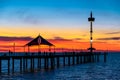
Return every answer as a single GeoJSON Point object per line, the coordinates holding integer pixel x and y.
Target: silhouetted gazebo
{"type": "Point", "coordinates": [39, 40]}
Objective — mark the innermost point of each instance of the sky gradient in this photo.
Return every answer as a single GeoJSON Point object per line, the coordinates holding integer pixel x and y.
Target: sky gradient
{"type": "Point", "coordinates": [62, 22]}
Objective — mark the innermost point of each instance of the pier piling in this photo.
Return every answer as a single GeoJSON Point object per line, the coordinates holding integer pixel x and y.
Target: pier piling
{"type": "Point", "coordinates": [58, 62]}
{"type": "Point", "coordinates": [8, 66]}
{"type": "Point", "coordinates": [20, 65]}
{"type": "Point", "coordinates": [12, 65]}
{"type": "Point", "coordinates": [105, 56]}
{"type": "Point", "coordinates": [0, 66]}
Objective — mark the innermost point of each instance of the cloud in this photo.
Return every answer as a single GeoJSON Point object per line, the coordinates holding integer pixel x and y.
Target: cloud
{"type": "Point", "coordinates": [111, 38]}
{"type": "Point", "coordinates": [113, 32]}
{"type": "Point", "coordinates": [99, 42]}
{"type": "Point", "coordinates": [27, 17]}
{"type": "Point", "coordinates": [9, 46]}
{"type": "Point", "coordinates": [57, 38]}
{"type": "Point", "coordinates": [31, 19]}
{"type": "Point", "coordinates": [84, 35]}
{"type": "Point", "coordinates": [24, 15]}
{"type": "Point", "coordinates": [61, 39]}
{"type": "Point", "coordinates": [3, 50]}
{"type": "Point", "coordinates": [78, 39]}
{"type": "Point", "coordinates": [6, 38]}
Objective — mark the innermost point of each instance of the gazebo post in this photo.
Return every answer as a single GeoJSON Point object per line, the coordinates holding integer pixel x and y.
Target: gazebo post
{"type": "Point", "coordinates": [24, 48]}
{"type": "Point", "coordinates": [54, 49]}
{"type": "Point", "coordinates": [49, 49]}
{"type": "Point", "coordinates": [39, 48]}
{"type": "Point", "coordinates": [14, 48]}
{"type": "Point", "coordinates": [28, 49]}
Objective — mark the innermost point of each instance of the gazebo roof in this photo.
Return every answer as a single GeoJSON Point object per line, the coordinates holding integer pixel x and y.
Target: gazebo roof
{"type": "Point", "coordinates": [39, 40]}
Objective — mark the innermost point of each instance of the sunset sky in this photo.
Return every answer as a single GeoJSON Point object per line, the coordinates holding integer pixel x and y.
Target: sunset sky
{"type": "Point", "coordinates": [63, 22]}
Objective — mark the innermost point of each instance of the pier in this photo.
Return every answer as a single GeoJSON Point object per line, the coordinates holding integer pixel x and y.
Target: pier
{"type": "Point", "coordinates": [51, 59]}
{"type": "Point", "coordinates": [48, 60]}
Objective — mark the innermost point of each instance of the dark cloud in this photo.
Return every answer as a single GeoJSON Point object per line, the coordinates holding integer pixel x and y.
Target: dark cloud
{"type": "Point", "coordinates": [9, 46]}
{"type": "Point", "coordinates": [113, 32]}
{"type": "Point", "coordinates": [84, 35]}
{"type": "Point", "coordinates": [4, 50]}
{"type": "Point", "coordinates": [6, 38]}
{"type": "Point", "coordinates": [78, 39]}
{"type": "Point", "coordinates": [111, 38]}
{"type": "Point", "coordinates": [63, 39]}
{"type": "Point", "coordinates": [99, 42]}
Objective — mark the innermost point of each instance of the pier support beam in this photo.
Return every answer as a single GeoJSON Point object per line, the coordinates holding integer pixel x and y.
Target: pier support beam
{"type": "Point", "coordinates": [21, 65]}
{"type": "Point", "coordinates": [0, 66]}
{"type": "Point", "coordinates": [77, 59]}
{"type": "Point", "coordinates": [52, 62]}
{"type": "Point", "coordinates": [8, 66]}
{"type": "Point", "coordinates": [68, 60]}
{"type": "Point", "coordinates": [95, 58]}
{"type": "Point", "coordinates": [39, 63]}
{"type": "Point", "coordinates": [98, 57]}
{"type": "Point", "coordinates": [73, 60]}
{"type": "Point", "coordinates": [58, 62]}
{"type": "Point", "coordinates": [81, 61]}
{"type": "Point", "coordinates": [12, 65]}
{"type": "Point", "coordinates": [64, 61]}
{"type": "Point", "coordinates": [24, 64]}
{"type": "Point", "coordinates": [105, 56]}
{"type": "Point", "coordinates": [84, 58]}
{"type": "Point", "coordinates": [92, 57]}
{"type": "Point", "coordinates": [31, 65]}
{"type": "Point", "coordinates": [45, 62]}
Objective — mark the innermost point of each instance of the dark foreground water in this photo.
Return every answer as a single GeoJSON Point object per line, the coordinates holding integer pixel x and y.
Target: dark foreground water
{"type": "Point", "coordinates": [90, 71]}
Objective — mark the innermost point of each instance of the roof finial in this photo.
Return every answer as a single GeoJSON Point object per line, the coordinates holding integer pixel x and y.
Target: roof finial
{"type": "Point", "coordinates": [39, 34]}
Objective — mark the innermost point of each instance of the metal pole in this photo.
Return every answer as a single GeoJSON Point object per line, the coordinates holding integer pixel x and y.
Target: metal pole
{"type": "Point", "coordinates": [91, 19]}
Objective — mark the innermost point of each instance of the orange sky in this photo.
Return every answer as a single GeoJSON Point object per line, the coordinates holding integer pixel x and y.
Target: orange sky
{"type": "Point", "coordinates": [72, 38]}
{"type": "Point", "coordinates": [60, 42]}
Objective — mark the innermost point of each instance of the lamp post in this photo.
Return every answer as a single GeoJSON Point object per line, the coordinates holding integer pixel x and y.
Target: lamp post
{"type": "Point", "coordinates": [91, 19]}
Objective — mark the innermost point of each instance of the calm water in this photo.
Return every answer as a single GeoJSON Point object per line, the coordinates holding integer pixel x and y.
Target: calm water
{"type": "Point", "coordinates": [91, 71]}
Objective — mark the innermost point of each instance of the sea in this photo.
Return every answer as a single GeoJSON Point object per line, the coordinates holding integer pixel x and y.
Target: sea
{"type": "Point", "coordinates": [89, 71]}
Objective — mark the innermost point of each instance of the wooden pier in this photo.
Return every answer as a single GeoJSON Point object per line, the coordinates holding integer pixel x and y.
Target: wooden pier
{"type": "Point", "coordinates": [50, 60]}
